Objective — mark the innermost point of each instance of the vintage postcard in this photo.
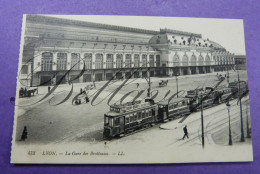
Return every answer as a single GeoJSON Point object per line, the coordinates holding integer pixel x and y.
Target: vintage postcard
{"type": "Point", "coordinates": [128, 89]}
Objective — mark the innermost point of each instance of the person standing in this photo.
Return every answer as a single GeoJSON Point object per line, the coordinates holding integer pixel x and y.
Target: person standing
{"type": "Point", "coordinates": [24, 134]}
{"type": "Point", "coordinates": [185, 130]}
{"type": "Point", "coordinates": [137, 85]}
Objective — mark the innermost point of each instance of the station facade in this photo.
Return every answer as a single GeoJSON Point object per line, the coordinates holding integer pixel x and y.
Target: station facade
{"type": "Point", "coordinates": [52, 46]}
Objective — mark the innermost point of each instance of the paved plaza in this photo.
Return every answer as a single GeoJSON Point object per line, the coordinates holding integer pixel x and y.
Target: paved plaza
{"type": "Point", "coordinates": [50, 123]}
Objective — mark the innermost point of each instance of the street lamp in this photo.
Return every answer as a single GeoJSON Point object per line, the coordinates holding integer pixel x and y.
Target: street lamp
{"type": "Point", "coordinates": [247, 123]}
{"type": "Point", "coordinates": [202, 124]}
{"type": "Point", "coordinates": [229, 126]}
{"type": "Point", "coordinates": [176, 76]}
{"type": "Point", "coordinates": [242, 139]}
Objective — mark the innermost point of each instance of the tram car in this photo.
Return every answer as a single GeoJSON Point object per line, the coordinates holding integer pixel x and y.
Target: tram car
{"type": "Point", "coordinates": [174, 109]}
{"type": "Point", "coordinates": [126, 118]}
{"type": "Point", "coordinates": [235, 88]}
{"type": "Point", "coordinates": [223, 94]}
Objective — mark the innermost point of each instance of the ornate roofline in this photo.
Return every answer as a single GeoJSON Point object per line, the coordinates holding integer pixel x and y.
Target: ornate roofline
{"type": "Point", "coordinates": [179, 32]}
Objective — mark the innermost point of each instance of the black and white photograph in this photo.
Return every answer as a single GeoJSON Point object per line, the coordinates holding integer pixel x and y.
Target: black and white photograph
{"type": "Point", "coordinates": [131, 90]}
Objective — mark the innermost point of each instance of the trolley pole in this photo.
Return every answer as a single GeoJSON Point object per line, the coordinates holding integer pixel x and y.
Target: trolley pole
{"type": "Point", "coordinates": [229, 126]}
{"type": "Point", "coordinates": [242, 139]}
{"type": "Point", "coordinates": [149, 84]}
{"type": "Point", "coordinates": [202, 124]}
{"type": "Point", "coordinates": [177, 84]}
{"type": "Point", "coordinates": [247, 123]}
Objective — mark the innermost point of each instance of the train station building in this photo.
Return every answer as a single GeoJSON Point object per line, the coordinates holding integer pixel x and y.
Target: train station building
{"type": "Point", "coordinates": [52, 46]}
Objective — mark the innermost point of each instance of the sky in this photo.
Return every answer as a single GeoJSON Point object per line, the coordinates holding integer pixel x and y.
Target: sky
{"type": "Point", "coordinates": [227, 32]}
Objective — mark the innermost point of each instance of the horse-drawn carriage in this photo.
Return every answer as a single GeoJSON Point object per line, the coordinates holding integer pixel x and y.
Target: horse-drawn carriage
{"type": "Point", "coordinates": [23, 92]}
{"type": "Point", "coordinates": [163, 83]}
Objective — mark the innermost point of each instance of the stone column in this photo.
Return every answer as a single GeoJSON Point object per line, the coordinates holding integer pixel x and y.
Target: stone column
{"type": "Point", "coordinates": [54, 64]}
{"type": "Point", "coordinates": [68, 61]}
{"type": "Point", "coordinates": [204, 69]}
{"type": "Point", "coordinates": [123, 59]}
{"type": "Point", "coordinates": [189, 71]}
{"type": "Point", "coordinates": [197, 70]}
{"type": "Point", "coordinates": [180, 71]}
{"type": "Point", "coordinates": [104, 61]}
{"type": "Point", "coordinates": [140, 60]}
{"type": "Point", "coordinates": [93, 61]}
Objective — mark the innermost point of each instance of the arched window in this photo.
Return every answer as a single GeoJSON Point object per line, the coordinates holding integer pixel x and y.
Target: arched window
{"type": "Point", "coordinates": [88, 60]}
{"type": "Point", "coordinates": [46, 64]}
{"type": "Point", "coordinates": [151, 60]}
{"type": "Point", "coordinates": [193, 60]}
{"type": "Point", "coordinates": [75, 61]}
{"type": "Point", "coordinates": [110, 61]}
{"type": "Point", "coordinates": [128, 60]}
{"type": "Point", "coordinates": [144, 60]}
{"type": "Point", "coordinates": [158, 60]}
{"type": "Point", "coordinates": [61, 61]}
{"type": "Point", "coordinates": [176, 60]}
{"type": "Point", "coordinates": [185, 60]}
{"type": "Point", "coordinates": [136, 60]}
{"type": "Point", "coordinates": [201, 60]}
{"type": "Point", "coordinates": [99, 61]}
{"type": "Point", "coordinates": [119, 61]}
{"type": "Point", "coordinates": [208, 60]}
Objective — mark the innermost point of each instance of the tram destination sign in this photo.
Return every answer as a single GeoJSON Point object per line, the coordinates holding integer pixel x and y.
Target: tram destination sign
{"type": "Point", "coordinates": [103, 90]}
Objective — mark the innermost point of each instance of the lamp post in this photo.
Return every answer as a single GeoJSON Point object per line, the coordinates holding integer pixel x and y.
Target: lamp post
{"type": "Point", "coordinates": [242, 139]}
{"type": "Point", "coordinates": [247, 123]}
{"type": "Point", "coordinates": [202, 124]}
{"type": "Point", "coordinates": [176, 76]}
{"type": "Point", "coordinates": [229, 126]}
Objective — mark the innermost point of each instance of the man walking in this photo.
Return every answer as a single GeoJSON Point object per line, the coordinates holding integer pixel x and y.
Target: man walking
{"type": "Point", "coordinates": [185, 132]}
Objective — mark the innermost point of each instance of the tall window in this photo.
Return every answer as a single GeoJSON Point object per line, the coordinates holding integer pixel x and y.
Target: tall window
{"type": "Point", "coordinates": [158, 60]}
{"type": "Point", "coordinates": [62, 61]}
{"type": "Point", "coordinates": [185, 60]}
{"type": "Point", "coordinates": [46, 64]}
{"type": "Point", "coordinates": [218, 61]}
{"type": "Point", "coordinates": [136, 60]}
{"type": "Point", "coordinates": [88, 60]}
{"type": "Point", "coordinates": [119, 61]}
{"type": "Point", "coordinates": [208, 60]}
{"type": "Point", "coordinates": [109, 61]}
{"type": "Point", "coordinates": [201, 61]}
{"type": "Point", "coordinates": [75, 61]}
{"type": "Point", "coordinates": [99, 61]}
{"type": "Point", "coordinates": [176, 60]}
{"type": "Point", "coordinates": [144, 60]}
{"type": "Point", "coordinates": [151, 60]}
{"type": "Point", "coordinates": [193, 60]}
{"type": "Point", "coordinates": [128, 61]}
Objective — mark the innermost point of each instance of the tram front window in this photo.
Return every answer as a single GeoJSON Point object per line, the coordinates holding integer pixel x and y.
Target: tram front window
{"type": "Point", "coordinates": [109, 122]}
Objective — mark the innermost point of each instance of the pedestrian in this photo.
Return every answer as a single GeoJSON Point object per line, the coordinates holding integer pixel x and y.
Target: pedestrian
{"type": "Point", "coordinates": [24, 134]}
{"type": "Point", "coordinates": [87, 99]}
{"type": "Point", "coordinates": [185, 132]}
{"type": "Point", "coordinates": [49, 88]}
{"type": "Point", "coordinates": [137, 85]}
